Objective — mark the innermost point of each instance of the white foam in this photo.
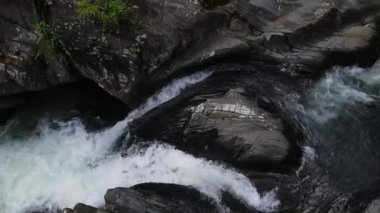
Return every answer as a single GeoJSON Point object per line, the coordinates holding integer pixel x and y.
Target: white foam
{"type": "Point", "coordinates": [168, 92]}
{"type": "Point", "coordinates": [57, 168]}
{"type": "Point", "coordinates": [308, 157]}
{"type": "Point", "coordinates": [340, 88]}
{"type": "Point", "coordinates": [61, 167]}
{"type": "Point", "coordinates": [163, 95]}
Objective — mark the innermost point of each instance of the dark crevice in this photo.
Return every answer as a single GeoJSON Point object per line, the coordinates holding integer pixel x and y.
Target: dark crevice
{"type": "Point", "coordinates": [15, 23]}
{"type": "Point", "coordinates": [84, 99]}
{"type": "Point", "coordinates": [213, 4]}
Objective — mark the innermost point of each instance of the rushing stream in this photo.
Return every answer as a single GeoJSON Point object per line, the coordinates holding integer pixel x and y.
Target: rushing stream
{"type": "Point", "coordinates": [60, 164]}
{"type": "Point", "coordinates": [341, 117]}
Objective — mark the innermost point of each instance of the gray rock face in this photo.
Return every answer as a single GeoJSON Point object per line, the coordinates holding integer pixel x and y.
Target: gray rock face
{"type": "Point", "coordinates": [168, 39]}
{"type": "Point", "coordinates": [23, 65]}
{"type": "Point", "coordinates": [245, 131]}
{"type": "Point", "coordinates": [300, 36]}
{"type": "Point", "coordinates": [173, 36]}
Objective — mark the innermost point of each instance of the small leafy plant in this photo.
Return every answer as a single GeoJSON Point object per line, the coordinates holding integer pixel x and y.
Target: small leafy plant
{"type": "Point", "coordinates": [135, 49]}
{"type": "Point", "coordinates": [45, 34]}
{"type": "Point", "coordinates": [46, 37]}
{"type": "Point", "coordinates": [108, 12]}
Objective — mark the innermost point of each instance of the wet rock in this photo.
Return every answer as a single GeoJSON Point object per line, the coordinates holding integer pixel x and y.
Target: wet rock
{"type": "Point", "coordinates": [82, 208]}
{"type": "Point", "coordinates": [295, 33]}
{"type": "Point", "coordinates": [299, 36]}
{"type": "Point", "coordinates": [67, 210]}
{"type": "Point", "coordinates": [229, 128]}
{"type": "Point", "coordinates": [246, 132]}
{"type": "Point", "coordinates": [349, 39]}
{"type": "Point", "coordinates": [212, 121]}
{"type": "Point", "coordinates": [235, 205]}
{"type": "Point", "coordinates": [158, 197]}
{"type": "Point", "coordinates": [130, 61]}
{"type": "Point", "coordinates": [125, 58]}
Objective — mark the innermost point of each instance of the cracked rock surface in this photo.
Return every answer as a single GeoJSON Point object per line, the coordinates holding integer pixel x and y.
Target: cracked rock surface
{"type": "Point", "coordinates": [172, 37]}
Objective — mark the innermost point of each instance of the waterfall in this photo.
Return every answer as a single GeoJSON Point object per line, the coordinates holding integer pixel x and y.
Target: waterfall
{"type": "Point", "coordinates": [165, 94]}
{"type": "Point", "coordinates": [58, 167]}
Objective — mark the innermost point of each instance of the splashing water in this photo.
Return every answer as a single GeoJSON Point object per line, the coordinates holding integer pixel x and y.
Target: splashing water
{"type": "Point", "coordinates": [61, 166]}
{"type": "Point", "coordinates": [339, 119]}
{"type": "Point", "coordinates": [168, 92]}
{"type": "Point", "coordinates": [163, 95]}
{"type": "Point", "coordinates": [341, 88]}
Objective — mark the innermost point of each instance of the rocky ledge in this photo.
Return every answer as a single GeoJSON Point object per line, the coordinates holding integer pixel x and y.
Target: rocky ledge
{"type": "Point", "coordinates": [172, 37]}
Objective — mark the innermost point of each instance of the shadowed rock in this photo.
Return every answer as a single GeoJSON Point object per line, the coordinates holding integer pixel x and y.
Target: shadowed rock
{"type": "Point", "coordinates": [24, 64]}
{"type": "Point", "coordinates": [131, 60]}
{"type": "Point", "coordinates": [158, 197]}
{"type": "Point", "coordinates": [245, 131]}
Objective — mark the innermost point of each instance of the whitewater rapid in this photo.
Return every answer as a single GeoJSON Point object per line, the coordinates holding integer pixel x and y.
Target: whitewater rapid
{"type": "Point", "coordinates": [54, 168]}
{"type": "Point", "coordinates": [339, 118]}
{"type": "Point", "coordinates": [340, 89]}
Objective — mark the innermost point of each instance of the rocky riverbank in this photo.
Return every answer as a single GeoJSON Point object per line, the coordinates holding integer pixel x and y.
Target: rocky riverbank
{"type": "Point", "coordinates": [264, 56]}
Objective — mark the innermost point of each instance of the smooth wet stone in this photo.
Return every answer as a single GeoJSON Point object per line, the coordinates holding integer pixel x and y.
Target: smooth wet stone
{"type": "Point", "coordinates": [83, 208]}
{"type": "Point", "coordinates": [158, 198]}
{"type": "Point", "coordinates": [246, 132]}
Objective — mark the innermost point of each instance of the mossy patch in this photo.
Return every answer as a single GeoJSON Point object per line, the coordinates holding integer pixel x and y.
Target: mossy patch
{"type": "Point", "coordinates": [108, 12]}
{"type": "Point", "coordinates": [49, 48]}
{"type": "Point", "coordinates": [134, 49]}
{"type": "Point", "coordinates": [48, 43]}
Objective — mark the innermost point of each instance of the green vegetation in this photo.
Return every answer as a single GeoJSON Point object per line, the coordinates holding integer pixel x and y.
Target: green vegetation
{"type": "Point", "coordinates": [134, 49]}
{"type": "Point", "coordinates": [45, 34]}
{"type": "Point", "coordinates": [106, 11]}
{"type": "Point", "coordinates": [46, 37]}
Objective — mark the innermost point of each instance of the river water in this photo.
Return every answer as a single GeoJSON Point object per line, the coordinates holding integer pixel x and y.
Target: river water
{"type": "Point", "coordinates": [340, 116]}
{"type": "Point", "coordinates": [60, 164]}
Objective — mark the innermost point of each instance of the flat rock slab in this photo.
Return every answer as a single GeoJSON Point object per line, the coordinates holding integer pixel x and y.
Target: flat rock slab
{"type": "Point", "coordinates": [248, 133]}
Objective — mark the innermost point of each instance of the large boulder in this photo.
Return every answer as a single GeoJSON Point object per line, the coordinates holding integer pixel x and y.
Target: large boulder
{"type": "Point", "coordinates": [229, 128]}
{"type": "Point", "coordinates": [247, 133]}
{"type": "Point", "coordinates": [169, 36]}
{"type": "Point", "coordinates": [83, 208]}
{"type": "Point", "coordinates": [158, 197]}
{"type": "Point", "coordinates": [162, 198]}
